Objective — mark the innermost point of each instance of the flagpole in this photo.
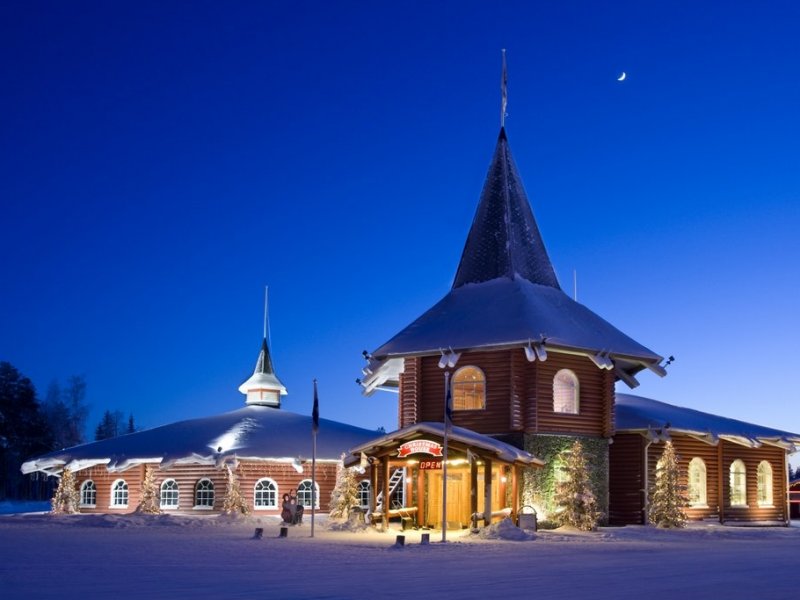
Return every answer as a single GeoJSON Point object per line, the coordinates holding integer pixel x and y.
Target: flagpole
{"type": "Point", "coordinates": [444, 453]}
{"type": "Point", "coordinates": [314, 430]}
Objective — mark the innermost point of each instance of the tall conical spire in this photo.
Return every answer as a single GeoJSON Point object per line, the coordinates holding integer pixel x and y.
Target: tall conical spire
{"type": "Point", "coordinates": [264, 387]}
{"type": "Point", "coordinates": [504, 240]}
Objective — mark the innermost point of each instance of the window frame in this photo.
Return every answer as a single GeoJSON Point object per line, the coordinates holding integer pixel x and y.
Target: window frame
{"type": "Point", "coordinates": [699, 465]}
{"type": "Point", "coordinates": [303, 494]}
{"type": "Point", "coordinates": [84, 486]}
{"type": "Point", "coordinates": [365, 490]}
{"type": "Point", "coordinates": [114, 496]}
{"type": "Point", "coordinates": [576, 391]}
{"type": "Point", "coordinates": [274, 491]}
{"type": "Point", "coordinates": [161, 491]}
{"type": "Point", "coordinates": [765, 486]}
{"type": "Point", "coordinates": [732, 485]}
{"type": "Point", "coordinates": [213, 496]}
{"type": "Point", "coordinates": [460, 387]}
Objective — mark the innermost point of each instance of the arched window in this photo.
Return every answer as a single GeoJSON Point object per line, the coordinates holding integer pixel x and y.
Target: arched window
{"type": "Point", "coordinates": [204, 494]}
{"type": "Point", "coordinates": [738, 483]}
{"type": "Point", "coordinates": [698, 495]}
{"type": "Point", "coordinates": [304, 495]}
{"type": "Point", "coordinates": [566, 392]}
{"type": "Point", "coordinates": [364, 493]}
{"type": "Point", "coordinates": [266, 494]}
{"type": "Point", "coordinates": [119, 494]}
{"type": "Point", "coordinates": [169, 494]}
{"type": "Point", "coordinates": [764, 483]}
{"type": "Point", "coordinates": [88, 494]}
{"type": "Point", "coordinates": [469, 389]}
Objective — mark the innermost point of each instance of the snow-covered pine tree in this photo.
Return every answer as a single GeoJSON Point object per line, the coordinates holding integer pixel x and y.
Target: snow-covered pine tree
{"type": "Point", "coordinates": [150, 503]}
{"type": "Point", "coordinates": [668, 496]}
{"type": "Point", "coordinates": [344, 496]}
{"type": "Point", "coordinates": [234, 503]}
{"type": "Point", "coordinates": [67, 497]}
{"type": "Point", "coordinates": [576, 502]}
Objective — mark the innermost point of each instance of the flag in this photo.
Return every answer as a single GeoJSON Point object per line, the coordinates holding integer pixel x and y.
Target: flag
{"type": "Point", "coordinates": [315, 410]}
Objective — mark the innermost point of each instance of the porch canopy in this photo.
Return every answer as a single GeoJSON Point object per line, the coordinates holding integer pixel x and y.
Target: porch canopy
{"type": "Point", "coordinates": [406, 467]}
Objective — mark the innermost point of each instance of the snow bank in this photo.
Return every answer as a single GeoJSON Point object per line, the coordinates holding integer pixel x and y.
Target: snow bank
{"type": "Point", "coordinates": [505, 530]}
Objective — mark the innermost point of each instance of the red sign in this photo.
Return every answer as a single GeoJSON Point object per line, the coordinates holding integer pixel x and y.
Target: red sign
{"type": "Point", "coordinates": [419, 447]}
{"type": "Point", "coordinates": [430, 465]}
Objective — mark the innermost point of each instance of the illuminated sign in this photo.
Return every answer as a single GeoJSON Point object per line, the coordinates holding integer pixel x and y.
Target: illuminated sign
{"type": "Point", "coordinates": [419, 447]}
{"type": "Point", "coordinates": [430, 465]}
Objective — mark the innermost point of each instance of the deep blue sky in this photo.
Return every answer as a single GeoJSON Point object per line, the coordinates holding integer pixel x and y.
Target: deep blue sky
{"type": "Point", "coordinates": [161, 162]}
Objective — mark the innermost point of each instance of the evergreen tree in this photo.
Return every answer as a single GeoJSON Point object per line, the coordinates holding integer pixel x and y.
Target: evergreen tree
{"type": "Point", "coordinates": [150, 502]}
{"type": "Point", "coordinates": [67, 497]}
{"type": "Point", "coordinates": [344, 496]}
{"type": "Point", "coordinates": [668, 497]}
{"type": "Point", "coordinates": [234, 502]}
{"type": "Point", "coordinates": [575, 500]}
{"type": "Point", "coordinates": [23, 430]}
{"type": "Point", "coordinates": [75, 396]}
{"type": "Point", "coordinates": [131, 426]}
{"type": "Point", "coordinates": [110, 426]}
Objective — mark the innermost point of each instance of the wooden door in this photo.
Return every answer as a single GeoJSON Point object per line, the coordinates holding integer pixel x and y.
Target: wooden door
{"type": "Point", "coordinates": [457, 498]}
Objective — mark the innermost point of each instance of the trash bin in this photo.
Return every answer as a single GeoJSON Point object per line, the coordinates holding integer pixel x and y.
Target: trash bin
{"type": "Point", "coordinates": [526, 519]}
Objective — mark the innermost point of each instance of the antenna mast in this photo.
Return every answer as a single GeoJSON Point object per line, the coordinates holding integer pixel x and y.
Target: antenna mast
{"type": "Point", "coordinates": [504, 90]}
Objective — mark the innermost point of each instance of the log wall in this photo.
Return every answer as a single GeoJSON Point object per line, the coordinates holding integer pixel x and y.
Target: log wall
{"type": "Point", "coordinates": [187, 476]}
{"type": "Point", "coordinates": [626, 480]}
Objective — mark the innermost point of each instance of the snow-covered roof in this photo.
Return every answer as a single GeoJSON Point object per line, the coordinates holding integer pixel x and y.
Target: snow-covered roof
{"type": "Point", "coordinates": [253, 433]}
{"type": "Point", "coordinates": [501, 450]}
{"type": "Point", "coordinates": [506, 294]}
{"type": "Point", "coordinates": [634, 413]}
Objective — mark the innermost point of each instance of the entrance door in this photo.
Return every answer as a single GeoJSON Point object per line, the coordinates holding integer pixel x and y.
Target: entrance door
{"type": "Point", "coordinates": [457, 498]}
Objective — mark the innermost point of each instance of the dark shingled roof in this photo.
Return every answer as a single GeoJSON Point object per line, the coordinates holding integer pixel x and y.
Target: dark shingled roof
{"type": "Point", "coordinates": [505, 290]}
{"type": "Point", "coordinates": [504, 240]}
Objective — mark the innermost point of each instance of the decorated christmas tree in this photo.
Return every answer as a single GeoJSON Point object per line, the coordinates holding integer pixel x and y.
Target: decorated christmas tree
{"type": "Point", "coordinates": [668, 496]}
{"type": "Point", "coordinates": [150, 502]}
{"type": "Point", "coordinates": [67, 497]}
{"type": "Point", "coordinates": [234, 503]}
{"type": "Point", "coordinates": [345, 493]}
{"type": "Point", "coordinates": [575, 500]}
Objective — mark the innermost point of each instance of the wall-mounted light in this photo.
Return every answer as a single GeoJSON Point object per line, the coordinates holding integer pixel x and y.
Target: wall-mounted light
{"type": "Point", "coordinates": [449, 358]}
{"type": "Point", "coordinates": [535, 350]}
{"type": "Point", "coordinates": [602, 360]}
{"type": "Point", "coordinates": [297, 465]}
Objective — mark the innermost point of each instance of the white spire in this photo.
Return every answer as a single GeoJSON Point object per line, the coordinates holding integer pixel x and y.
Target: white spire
{"type": "Point", "coordinates": [263, 387]}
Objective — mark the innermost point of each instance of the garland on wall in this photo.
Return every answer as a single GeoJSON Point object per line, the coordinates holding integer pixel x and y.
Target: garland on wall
{"type": "Point", "coordinates": [539, 484]}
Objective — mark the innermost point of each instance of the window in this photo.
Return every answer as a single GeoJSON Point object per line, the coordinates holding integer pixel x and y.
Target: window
{"type": "Point", "coordinates": [469, 389]}
{"type": "Point", "coordinates": [119, 494]}
{"type": "Point", "coordinates": [364, 493]}
{"type": "Point", "coordinates": [698, 496]}
{"type": "Point", "coordinates": [266, 494]}
{"type": "Point", "coordinates": [204, 494]}
{"type": "Point", "coordinates": [304, 495]}
{"type": "Point", "coordinates": [565, 392]}
{"type": "Point", "coordinates": [764, 483]}
{"type": "Point", "coordinates": [89, 494]}
{"type": "Point", "coordinates": [169, 494]}
{"type": "Point", "coordinates": [738, 483]}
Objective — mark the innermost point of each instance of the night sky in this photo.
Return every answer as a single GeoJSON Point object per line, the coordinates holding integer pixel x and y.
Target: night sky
{"type": "Point", "coordinates": [162, 162]}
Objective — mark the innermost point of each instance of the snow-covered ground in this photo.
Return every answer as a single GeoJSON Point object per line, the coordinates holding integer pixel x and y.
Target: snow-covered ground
{"type": "Point", "coordinates": [122, 557]}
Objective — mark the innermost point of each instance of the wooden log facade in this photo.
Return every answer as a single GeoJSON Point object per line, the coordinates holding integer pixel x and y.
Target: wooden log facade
{"type": "Point", "coordinates": [282, 475]}
{"type": "Point", "coordinates": [628, 480]}
{"type": "Point", "coordinates": [519, 394]}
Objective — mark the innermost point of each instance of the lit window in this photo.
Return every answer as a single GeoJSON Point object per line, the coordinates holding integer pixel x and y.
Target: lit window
{"type": "Point", "coordinates": [738, 483]}
{"type": "Point", "coordinates": [764, 483]}
{"type": "Point", "coordinates": [119, 494]}
{"type": "Point", "coordinates": [469, 389]}
{"type": "Point", "coordinates": [266, 494]}
{"type": "Point", "coordinates": [698, 496]}
{"type": "Point", "coordinates": [89, 494]}
{"type": "Point", "coordinates": [304, 495]}
{"type": "Point", "coordinates": [565, 392]}
{"type": "Point", "coordinates": [169, 494]}
{"type": "Point", "coordinates": [204, 494]}
{"type": "Point", "coordinates": [364, 493]}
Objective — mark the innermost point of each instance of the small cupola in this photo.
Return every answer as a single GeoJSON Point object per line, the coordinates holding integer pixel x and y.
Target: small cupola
{"type": "Point", "coordinates": [263, 388]}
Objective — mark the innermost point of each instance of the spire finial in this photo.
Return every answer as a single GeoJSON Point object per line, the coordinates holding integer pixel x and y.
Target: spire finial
{"type": "Point", "coordinates": [266, 312]}
{"type": "Point", "coordinates": [504, 90]}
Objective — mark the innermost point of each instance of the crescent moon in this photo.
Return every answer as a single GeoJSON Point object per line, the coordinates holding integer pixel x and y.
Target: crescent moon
{"type": "Point", "coordinates": [622, 77]}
